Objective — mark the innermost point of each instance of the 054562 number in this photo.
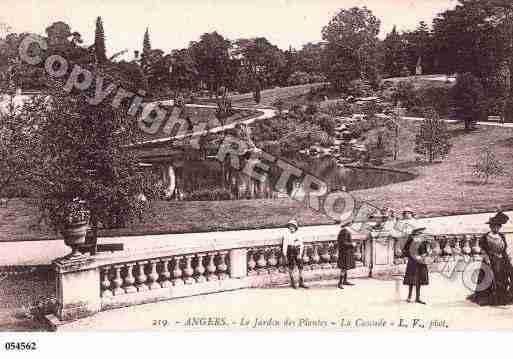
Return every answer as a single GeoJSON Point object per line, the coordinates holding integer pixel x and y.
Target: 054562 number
{"type": "Point", "coordinates": [20, 346]}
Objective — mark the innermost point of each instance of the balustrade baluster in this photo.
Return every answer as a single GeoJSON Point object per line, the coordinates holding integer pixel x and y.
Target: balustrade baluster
{"type": "Point", "coordinates": [211, 267]}
{"type": "Point", "coordinates": [273, 261]}
{"type": "Point", "coordinates": [222, 267]}
{"type": "Point", "coordinates": [358, 252]}
{"type": "Point", "coordinates": [118, 281]}
{"type": "Point", "coordinates": [106, 291]}
{"type": "Point", "coordinates": [154, 276]}
{"type": "Point", "coordinates": [129, 279]}
{"type": "Point", "coordinates": [282, 262]}
{"type": "Point", "coordinates": [457, 248]}
{"type": "Point", "coordinates": [315, 257]}
{"type": "Point", "coordinates": [398, 252]}
{"type": "Point", "coordinates": [251, 262]}
{"type": "Point", "coordinates": [334, 255]}
{"type": "Point", "coordinates": [476, 248]}
{"type": "Point", "coordinates": [165, 274]}
{"type": "Point", "coordinates": [447, 250]}
{"type": "Point", "coordinates": [188, 272]}
{"type": "Point", "coordinates": [306, 257]}
{"type": "Point", "coordinates": [325, 256]}
{"type": "Point", "coordinates": [177, 272]}
{"type": "Point", "coordinates": [437, 251]}
{"type": "Point", "coordinates": [262, 262]}
{"type": "Point", "coordinates": [141, 277]}
{"type": "Point", "coordinates": [200, 269]}
{"type": "Point", "coordinates": [467, 250]}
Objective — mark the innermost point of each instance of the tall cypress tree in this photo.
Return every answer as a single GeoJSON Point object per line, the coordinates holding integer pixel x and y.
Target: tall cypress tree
{"type": "Point", "coordinates": [146, 50]}
{"type": "Point", "coordinates": [146, 42]}
{"type": "Point", "coordinates": [99, 41]}
{"type": "Point", "coordinates": [145, 59]}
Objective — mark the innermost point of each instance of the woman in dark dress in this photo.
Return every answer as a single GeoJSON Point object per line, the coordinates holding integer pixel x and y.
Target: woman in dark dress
{"type": "Point", "coordinates": [417, 274]}
{"type": "Point", "coordinates": [346, 259]}
{"type": "Point", "coordinates": [495, 273]}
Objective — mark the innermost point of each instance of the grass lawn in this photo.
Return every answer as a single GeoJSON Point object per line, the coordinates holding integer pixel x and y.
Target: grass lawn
{"type": "Point", "coordinates": [271, 95]}
{"type": "Point", "coordinates": [442, 188]}
{"type": "Point", "coordinates": [16, 221]}
{"type": "Point", "coordinates": [424, 81]}
{"type": "Point", "coordinates": [448, 186]}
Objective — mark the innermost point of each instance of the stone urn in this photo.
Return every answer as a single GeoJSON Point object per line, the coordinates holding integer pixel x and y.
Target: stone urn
{"type": "Point", "coordinates": [75, 235]}
{"type": "Point", "coordinates": [74, 218]}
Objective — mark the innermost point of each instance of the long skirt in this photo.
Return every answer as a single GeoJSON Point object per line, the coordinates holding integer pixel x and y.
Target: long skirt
{"type": "Point", "coordinates": [493, 290]}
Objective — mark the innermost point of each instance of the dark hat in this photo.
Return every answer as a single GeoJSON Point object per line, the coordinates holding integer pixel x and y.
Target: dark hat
{"type": "Point", "coordinates": [500, 219]}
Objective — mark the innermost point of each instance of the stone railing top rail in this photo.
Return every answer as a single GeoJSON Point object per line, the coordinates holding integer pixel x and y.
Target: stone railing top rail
{"type": "Point", "coordinates": [206, 245]}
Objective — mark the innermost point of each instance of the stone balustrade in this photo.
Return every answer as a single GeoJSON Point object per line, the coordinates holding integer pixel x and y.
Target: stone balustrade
{"type": "Point", "coordinates": [166, 272]}
{"type": "Point", "coordinates": [107, 281]}
{"type": "Point", "coordinates": [445, 248]}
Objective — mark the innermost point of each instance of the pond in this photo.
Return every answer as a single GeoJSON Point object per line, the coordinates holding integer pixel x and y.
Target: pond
{"type": "Point", "coordinates": [203, 180]}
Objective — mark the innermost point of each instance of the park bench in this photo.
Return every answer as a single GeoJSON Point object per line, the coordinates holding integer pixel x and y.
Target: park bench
{"type": "Point", "coordinates": [92, 247]}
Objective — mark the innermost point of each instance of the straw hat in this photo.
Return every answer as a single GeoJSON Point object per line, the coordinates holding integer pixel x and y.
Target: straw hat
{"type": "Point", "coordinates": [408, 210]}
{"type": "Point", "coordinates": [294, 223]}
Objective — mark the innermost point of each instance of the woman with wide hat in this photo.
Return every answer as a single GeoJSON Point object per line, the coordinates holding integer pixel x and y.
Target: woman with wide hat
{"type": "Point", "coordinates": [292, 249]}
{"type": "Point", "coordinates": [416, 250]}
{"type": "Point", "coordinates": [495, 273]}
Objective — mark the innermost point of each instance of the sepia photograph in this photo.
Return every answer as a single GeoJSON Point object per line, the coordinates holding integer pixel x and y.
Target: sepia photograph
{"type": "Point", "coordinates": [286, 165]}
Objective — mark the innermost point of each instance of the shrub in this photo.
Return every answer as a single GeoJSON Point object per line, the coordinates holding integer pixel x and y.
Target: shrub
{"type": "Point", "coordinates": [488, 166]}
{"type": "Point", "coordinates": [404, 92]}
{"type": "Point", "coordinates": [339, 108]}
{"type": "Point", "coordinates": [438, 98]}
{"type": "Point", "coordinates": [360, 88]}
{"type": "Point", "coordinates": [298, 78]}
{"type": "Point", "coordinates": [279, 104]}
{"type": "Point", "coordinates": [224, 108]}
{"type": "Point", "coordinates": [312, 109]}
{"type": "Point", "coordinates": [432, 139]}
{"type": "Point", "coordinates": [326, 123]}
{"type": "Point", "coordinates": [469, 99]}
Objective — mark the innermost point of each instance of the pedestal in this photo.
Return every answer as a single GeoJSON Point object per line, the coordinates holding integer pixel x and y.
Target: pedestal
{"type": "Point", "coordinates": [77, 287]}
{"type": "Point", "coordinates": [238, 263]}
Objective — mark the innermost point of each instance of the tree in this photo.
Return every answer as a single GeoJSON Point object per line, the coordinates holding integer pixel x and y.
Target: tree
{"type": "Point", "coordinates": [99, 42]}
{"type": "Point", "coordinates": [145, 59]}
{"type": "Point", "coordinates": [404, 93]}
{"type": "Point", "coordinates": [18, 145]}
{"type": "Point", "coordinates": [469, 99]}
{"type": "Point", "coordinates": [83, 154]}
{"type": "Point", "coordinates": [418, 49]}
{"type": "Point", "coordinates": [211, 55]}
{"type": "Point", "coordinates": [432, 139]}
{"type": "Point", "coordinates": [261, 59]}
{"type": "Point", "coordinates": [504, 89]}
{"type": "Point", "coordinates": [183, 71]}
{"type": "Point", "coordinates": [488, 165]}
{"type": "Point", "coordinates": [394, 54]}
{"type": "Point", "coordinates": [352, 46]}
{"type": "Point", "coordinates": [146, 43]}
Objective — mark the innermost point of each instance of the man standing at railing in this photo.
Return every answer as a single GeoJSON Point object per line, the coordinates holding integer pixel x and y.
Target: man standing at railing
{"type": "Point", "coordinates": [292, 248]}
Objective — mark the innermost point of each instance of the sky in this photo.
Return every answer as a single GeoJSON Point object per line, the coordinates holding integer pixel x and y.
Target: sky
{"type": "Point", "coordinates": [174, 23]}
